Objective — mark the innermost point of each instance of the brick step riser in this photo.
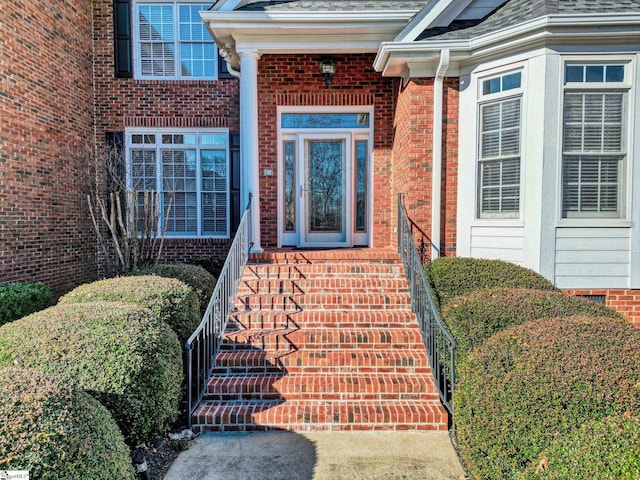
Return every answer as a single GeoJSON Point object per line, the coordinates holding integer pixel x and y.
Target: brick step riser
{"type": "Point", "coordinates": [317, 258]}
{"type": "Point", "coordinates": [320, 415]}
{"type": "Point", "coordinates": [311, 346]}
{"type": "Point", "coordinates": [326, 271]}
{"type": "Point", "coordinates": [323, 302]}
{"type": "Point", "coordinates": [311, 337]}
{"type": "Point", "coordinates": [311, 369]}
{"type": "Point", "coordinates": [406, 318]}
{"type": "Point", "coordinates": [244, 291]}
{"type": "Point", "coordinates": [317, 427]}
{"type": "Point", "coordinates": [294, 287]}
{"type": "Point", "coordinates": [320, 396]}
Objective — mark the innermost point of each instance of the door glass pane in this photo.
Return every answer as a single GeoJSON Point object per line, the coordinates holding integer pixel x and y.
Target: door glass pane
{"type": "Point", "coordinates": [326, 185]}
{"type": "Point", "coordinates": [361, 185]}
{"type": "Point", "coordinates": [325, 120]}
{"type": "Point", "coordinates": [289, 186]}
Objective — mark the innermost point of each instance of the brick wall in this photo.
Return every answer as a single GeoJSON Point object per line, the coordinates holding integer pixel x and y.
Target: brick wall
{"type": "Point", "coordinates": [624, 301]}
{"type": "Point", "coordinates": [413, 156]}
{"type": "Point", "coordinates": [293, 80]}
{"type": "Point", "coordinates": [122, 102]}
{"type": "Point", "coordinates": [45, 135]}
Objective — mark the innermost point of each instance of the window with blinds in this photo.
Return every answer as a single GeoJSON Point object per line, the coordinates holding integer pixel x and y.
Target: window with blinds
{"type": "Point", "coordinates": [499, 148]}
{"type": "Point", "coordinates": [172, 41]}
{"type": "Point", "coordinates": [190, 170]}
{"type": "Point", "coordinates": [593, 142]}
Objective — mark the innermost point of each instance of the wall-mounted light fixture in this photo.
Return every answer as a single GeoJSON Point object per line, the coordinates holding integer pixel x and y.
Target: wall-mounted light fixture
{"type": "Point", "coordinates": [327, 69]}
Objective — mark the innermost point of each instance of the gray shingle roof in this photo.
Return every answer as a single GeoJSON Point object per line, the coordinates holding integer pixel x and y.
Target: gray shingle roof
{"type": "Point", "coordinates": [514, 12]}
{"type": "Point", "coordinates": [334, 5]}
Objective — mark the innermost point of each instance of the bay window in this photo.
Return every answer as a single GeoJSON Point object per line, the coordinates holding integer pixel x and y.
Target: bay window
{"type": "Point", "coordinates": [499, 146]}
{"type": "Point", "coordinates": [594, 141]}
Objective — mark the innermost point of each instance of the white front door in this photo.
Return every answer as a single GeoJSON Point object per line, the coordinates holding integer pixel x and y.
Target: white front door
{"type": "Point", "coordinates": [325, 190]}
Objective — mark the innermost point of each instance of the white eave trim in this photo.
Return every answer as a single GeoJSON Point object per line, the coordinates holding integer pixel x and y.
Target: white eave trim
{"type": "Point", "coordinates": [392, 55]}
{"type": "Point", "coordinates": [300, 32]}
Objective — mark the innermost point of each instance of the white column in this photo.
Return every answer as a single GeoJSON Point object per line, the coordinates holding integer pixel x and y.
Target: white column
{"type": "Point", "coordinates": [249, 157]}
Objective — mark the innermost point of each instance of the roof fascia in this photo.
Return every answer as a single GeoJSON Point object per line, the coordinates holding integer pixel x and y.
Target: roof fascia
{"type": "Point", "coordinates": [298, 31]}
{"type": "Point", "coordinates": [558, 27]}
{"type": "Point", "coordinates": [435, 14]}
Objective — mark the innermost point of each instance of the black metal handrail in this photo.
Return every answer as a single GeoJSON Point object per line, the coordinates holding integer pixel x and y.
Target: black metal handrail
{"type": "Point", "coordinates": [439, 343]}
{"type": "Point", "coordinates": [204, 342]}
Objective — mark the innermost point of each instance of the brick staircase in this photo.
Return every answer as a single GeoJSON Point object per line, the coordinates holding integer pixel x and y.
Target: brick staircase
{"type": "Point", "coordinates": [322, 340]}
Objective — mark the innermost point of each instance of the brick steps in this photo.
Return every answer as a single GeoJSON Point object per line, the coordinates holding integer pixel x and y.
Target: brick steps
{"type": "Point", "coordinates": [321, 271]}
{"type": "Point", "coordinates": [321, 386]}
{"type": "Point", "coordinates": [336, 360]}
{"type": "Point", "coordinates": [322, 301]}
{"type": "Point", "coordinates": [322, 340]}
{"type": "Point", "coordinates": [327, 319]}
{"type": "Point", "coordinates": [341, 284]}
{"type": "Point", "coordinates": [318, 415]}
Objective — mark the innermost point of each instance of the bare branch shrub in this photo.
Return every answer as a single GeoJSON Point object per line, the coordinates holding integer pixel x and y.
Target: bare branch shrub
{"type": "Point", "coordinates": [126, 216]}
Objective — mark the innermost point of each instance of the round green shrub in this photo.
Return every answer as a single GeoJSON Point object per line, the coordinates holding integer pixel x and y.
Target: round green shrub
{"type": "Point", "coordinates": [201, 281]}
{"type": "Point", "coordinates": [119, 353]}
{"type": "Point", "coordinates": [453, 276]}
{"type": "Point", "coordinates": [608, 449]}
{"type": "Point", "coordinates": [173, 301]}
{"type": "Point", "coordinates": [529, 384]}
{"type": "Point", "coordinates": [473, 318]}
{"type": "Point", "coordinates": [18, 300]}
{"type": "Point", "coordinates": [56, 432]}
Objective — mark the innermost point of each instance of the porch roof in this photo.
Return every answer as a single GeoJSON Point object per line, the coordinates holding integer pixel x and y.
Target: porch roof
{"type": "Point", "coordinates": [332, 5]}
{"type": "Point", "coordinates": [514, 12]}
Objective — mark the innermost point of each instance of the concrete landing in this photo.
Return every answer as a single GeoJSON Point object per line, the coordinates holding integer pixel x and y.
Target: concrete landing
{"type": "Point", "coordinates": [319, 456]}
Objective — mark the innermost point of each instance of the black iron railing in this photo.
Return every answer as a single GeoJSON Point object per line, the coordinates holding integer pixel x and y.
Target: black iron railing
{"type": "Point", "coordinates": [438, 341]}
{"type": "Point", "coordinates": [204, 342]}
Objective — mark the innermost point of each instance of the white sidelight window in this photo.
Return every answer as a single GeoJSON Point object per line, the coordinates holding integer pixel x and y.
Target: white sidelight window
{"type": "Point", "coordinates": [172, 42]}
{"type": "Point", "coordinates": [190, 170]}
{"type": "Point", "coordinates": [594, 141]}
{"type": "Point", "coordinates": [499, 158]}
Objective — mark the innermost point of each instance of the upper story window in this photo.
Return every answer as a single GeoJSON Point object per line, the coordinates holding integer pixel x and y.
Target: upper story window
{"type": "Point", "coordinates": [499, 133]}
{"type": "Point", "coordinates": [172, 42]}
{"type": "Point", "coordinates": [594, 140]}
{"type": "Point", "coordinates": [190, 170]}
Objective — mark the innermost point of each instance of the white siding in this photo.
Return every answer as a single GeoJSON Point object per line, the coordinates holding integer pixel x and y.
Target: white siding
{"type": "Point", "coordinates": [498, 243]}
{"type": "Point", "coordinates": [592, 257]}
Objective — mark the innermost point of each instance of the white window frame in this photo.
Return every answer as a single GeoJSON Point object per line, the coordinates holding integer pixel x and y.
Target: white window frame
{"type": "Point", "coordinates": [198, 132]}
{"type": "Point", "coordinates": [176, 42]}
{"type": "Point", "coordinates": [625, 173]}
{"type": "Point", "coordinates": [493, 98]}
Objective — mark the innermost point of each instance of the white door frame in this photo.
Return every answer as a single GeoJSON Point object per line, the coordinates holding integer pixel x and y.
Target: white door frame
{"type": "Point", "coordinates": [298, 137]}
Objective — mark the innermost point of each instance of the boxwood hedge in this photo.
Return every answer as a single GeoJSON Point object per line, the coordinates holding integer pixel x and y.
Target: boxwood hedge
{"type": "Point", "coordinates": [529, 384]}
{"type": "Point", "coordinates": [473, 318]}
{"type": "Point", "coordinates": [18, 300]}
{"type": "Point", "coordinates": [56, 432]}
{"type": "Point", "coordinates": [175, 302]}
{"type": "Point", "coordinates": [453, 276]}
{"type": "Point", "coordinates": [201, 281]}
{"type": "Point", "coordinates": [119, 353]}
{"type": "Point", "coordinates": [608, 449]}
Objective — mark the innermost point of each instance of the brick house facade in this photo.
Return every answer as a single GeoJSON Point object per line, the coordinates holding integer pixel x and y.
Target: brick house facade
{"type": "Point", "coordinates": [46, 106]}
{"type": "Point", "coordinates": [82, 78]}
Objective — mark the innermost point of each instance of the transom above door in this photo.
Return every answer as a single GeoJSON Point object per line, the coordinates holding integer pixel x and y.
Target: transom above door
{"type": "Point", "coordinates": [324, 173]}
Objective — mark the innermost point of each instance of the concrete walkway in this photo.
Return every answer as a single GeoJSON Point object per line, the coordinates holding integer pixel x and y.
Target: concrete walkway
{"type": "Point", "coordinates": [319, 456]}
